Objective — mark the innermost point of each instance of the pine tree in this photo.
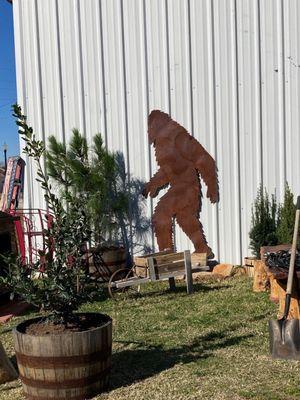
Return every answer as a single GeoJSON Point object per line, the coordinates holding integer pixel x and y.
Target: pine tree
{"type": "Point", "coordinates": [286, 216]}
{"type": "Point", "coordinates": [112, 198]}
{"type": "Point", "coordinates": [264, 221]}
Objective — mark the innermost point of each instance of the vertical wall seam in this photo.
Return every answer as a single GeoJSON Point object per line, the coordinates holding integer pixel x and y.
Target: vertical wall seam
{"type": "Point", "coordinates": [238, 130]}
{"type": "Point", "coordinates": [125, 105]}
{"type": "Point", "coordinates": [148, 110]}
{"type": "Point", "coordinates": [21, 48]}
{"type": "Point", "coordinates": [169, 90]}
{"type": "Point", "coordinates": [62, 110]}
{"type": "Point", "coordinates": [40, 86]}
{"type": "Point", "coordinates": [215, 115]}
{"type": "Point", "coordinates": [28, 167]}
{"type": "Point", "coordinates": [283, 94]}
{"type": "Point", "coordinates": [103, 73]}
{"type": "Point", "coordinates": [190, 67]}
{"type": "Point", "coordinates": [168, 56]}
{"type": "Point", "coordinates": [82, 88]}
{"type": "Point", "coordinates": [125, 86]}
{"type": "Point", "coordinates": [260, 93]}
{"type": "Point", "coordinates": [40, 89]}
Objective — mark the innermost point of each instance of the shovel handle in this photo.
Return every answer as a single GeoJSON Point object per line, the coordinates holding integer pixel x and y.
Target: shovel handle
{"type": "Point", "coordinates": [293, 251]}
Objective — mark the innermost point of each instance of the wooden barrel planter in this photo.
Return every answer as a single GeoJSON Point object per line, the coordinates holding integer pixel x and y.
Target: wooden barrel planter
{"type": "Point", "coordinates": [74, 365]}
{"type": "Point", "coordinates": [105, 261]}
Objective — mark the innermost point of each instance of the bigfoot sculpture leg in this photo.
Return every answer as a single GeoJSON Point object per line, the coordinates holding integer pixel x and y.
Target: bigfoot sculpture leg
{"type": "Point", "coordinates": [192, 227]}
{"type": "Point", "coordinates": [163, 229]}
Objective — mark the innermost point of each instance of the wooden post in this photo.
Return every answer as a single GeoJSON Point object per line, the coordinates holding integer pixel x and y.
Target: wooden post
{"type": "Point", "coordinates": [7, 370]}
{"type": "Point", "coordinates": [151, 269]}
{"type": "Point", "coordinates": [188, 272]}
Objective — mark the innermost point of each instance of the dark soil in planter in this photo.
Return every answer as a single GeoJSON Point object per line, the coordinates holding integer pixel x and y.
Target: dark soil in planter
{"type": "Point", "coordinates": [82, 322]}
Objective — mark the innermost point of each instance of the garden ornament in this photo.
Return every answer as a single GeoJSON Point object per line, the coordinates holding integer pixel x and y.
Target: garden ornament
{"type": "Point", "coordinates": [181, 160]}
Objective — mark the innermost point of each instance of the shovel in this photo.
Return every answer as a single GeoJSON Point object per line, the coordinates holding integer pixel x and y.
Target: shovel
{"type": "Point", "coordinates": [284, 333]}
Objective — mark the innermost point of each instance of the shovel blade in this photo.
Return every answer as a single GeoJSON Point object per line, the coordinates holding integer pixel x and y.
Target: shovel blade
{"type": "Point", "coordinates": [285, 339]}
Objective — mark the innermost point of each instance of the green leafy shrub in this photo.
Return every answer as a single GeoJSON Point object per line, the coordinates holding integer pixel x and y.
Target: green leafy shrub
{"type": "Point", "coordinates": [64, 282]}
{"type": "Point", "coordinates": [264, 221]}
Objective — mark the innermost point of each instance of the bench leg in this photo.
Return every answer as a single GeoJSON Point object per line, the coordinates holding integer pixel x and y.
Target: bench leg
{"type": "Point", "coordinates": [172, 284]}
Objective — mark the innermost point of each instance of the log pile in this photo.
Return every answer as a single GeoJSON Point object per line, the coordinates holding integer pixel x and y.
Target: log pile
{"type": "Point", "coordinates": [275, 280]}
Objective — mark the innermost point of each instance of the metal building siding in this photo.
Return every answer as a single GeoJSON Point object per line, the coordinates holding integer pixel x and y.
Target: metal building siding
{"type": "Point", "coordinates": [227, 70]}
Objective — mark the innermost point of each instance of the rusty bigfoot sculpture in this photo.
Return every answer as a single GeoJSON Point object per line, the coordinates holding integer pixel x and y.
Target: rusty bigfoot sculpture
{"type": "Point", "coordinates": [181, 159]}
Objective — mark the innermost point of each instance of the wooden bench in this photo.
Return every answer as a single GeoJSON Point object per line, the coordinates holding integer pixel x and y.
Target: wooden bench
{"type": "Point", "coordinates": [159, 267]}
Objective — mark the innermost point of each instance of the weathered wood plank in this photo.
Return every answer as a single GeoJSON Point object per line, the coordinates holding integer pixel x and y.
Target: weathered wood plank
{"type": "Point", "coordinates": [141, 261]}
{"type": "Point", "coordinates": [169, 258]}
{"type": "Point", "coordinates": [170, 267]}
{"type": "Point", "coordinates": [129, 282]}
{"type": "Point", "coordinates": [199, 259]}
{"type": "Point", "coordinates": [174, 274]}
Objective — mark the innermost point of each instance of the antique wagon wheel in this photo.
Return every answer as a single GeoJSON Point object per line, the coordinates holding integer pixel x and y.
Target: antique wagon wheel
{"type": "Point", "coordinates": [123, 274]}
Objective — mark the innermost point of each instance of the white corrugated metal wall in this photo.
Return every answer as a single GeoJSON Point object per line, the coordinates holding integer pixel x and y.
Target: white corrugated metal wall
{"type": "Point", "coordinates": [228, 70]}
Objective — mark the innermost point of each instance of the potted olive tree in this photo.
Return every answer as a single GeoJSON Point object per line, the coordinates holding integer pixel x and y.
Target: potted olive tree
{"type": "Point", "coordinates": [64, 354]}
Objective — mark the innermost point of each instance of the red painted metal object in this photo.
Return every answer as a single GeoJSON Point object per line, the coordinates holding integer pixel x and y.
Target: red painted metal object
{"type": "Point", "coordinates": [30, 230]}
{"type": "Point", "coordinates": [31, 225]}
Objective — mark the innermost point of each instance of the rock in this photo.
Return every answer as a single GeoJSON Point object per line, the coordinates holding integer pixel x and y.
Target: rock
{"type": "Point", "coordinates": [224, 270]}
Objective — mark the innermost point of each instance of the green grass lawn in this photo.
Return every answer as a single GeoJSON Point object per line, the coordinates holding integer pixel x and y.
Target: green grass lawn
{"type": "Point", "coordinates": [210, 345]}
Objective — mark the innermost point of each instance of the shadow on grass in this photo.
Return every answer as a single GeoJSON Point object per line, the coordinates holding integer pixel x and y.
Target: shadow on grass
{"type": "Point", "coordinates": [142, 362]}
{"type": "Point", "coordinates": [198, 288]}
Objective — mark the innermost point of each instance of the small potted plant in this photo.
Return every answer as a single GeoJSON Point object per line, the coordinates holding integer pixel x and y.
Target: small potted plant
{"type": "Point", "coordinates": [63, 354]}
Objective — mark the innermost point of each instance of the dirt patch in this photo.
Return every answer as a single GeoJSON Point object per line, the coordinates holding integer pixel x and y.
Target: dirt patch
{"type": "Point", "coordinates": [80, 323]}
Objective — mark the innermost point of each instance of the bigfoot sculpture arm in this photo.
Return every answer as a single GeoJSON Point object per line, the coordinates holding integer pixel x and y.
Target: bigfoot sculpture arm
{"type": "Point", "coordinates": [192, 150]}
{"type": "Point", "coordinates": [206, 167]}
{"type": "Point", "coordinates": [156, 182]}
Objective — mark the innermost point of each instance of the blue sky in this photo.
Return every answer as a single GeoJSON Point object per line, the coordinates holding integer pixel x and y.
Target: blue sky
{"type": "Point", "coordinates": [8, 92]}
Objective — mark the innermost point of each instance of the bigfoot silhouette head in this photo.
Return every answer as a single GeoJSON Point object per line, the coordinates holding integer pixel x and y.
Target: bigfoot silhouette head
{"type": "Point", "coordinates": [160, 125]}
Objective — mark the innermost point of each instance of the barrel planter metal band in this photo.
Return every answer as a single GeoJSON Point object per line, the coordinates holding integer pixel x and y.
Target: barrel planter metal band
{"type": "Point", "coordinates": [74, 365]}
{"type": "Point", "coordinates": [66, 384]}
{"type": "Point", "coordinates": [62, 362]}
